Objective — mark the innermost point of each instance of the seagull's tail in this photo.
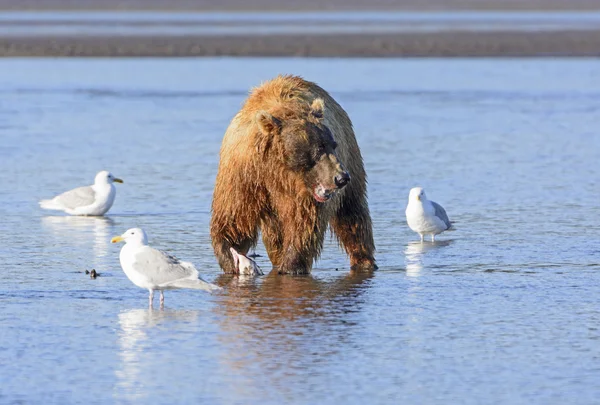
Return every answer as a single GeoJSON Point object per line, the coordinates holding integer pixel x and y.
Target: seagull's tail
{"type": "Point", "coordinates": [194, 284]}
{"type": "Point", "coordinates": [452, 227]}
{"type": "Point", "coordinates": [50, 204]}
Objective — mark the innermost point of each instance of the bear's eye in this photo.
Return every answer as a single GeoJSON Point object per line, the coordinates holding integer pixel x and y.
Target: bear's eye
{"type": "Point", "coordinates": [301, 160]}
{"type": "Point", "coordinates": [308, 161]}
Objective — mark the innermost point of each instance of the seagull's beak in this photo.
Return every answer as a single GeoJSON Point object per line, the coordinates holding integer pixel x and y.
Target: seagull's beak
{"type": "Point", "coordinates": [116, 180]}
{"type": "Point", "coordinates": [418, 198]}
{"type": "Point", "coordinates": [117, 239]}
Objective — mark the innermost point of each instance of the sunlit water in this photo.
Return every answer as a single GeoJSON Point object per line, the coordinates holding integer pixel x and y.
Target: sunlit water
{"type": "Point", "coordinates": [108, 23]}
{"type": "Point", "coordinates": [502, 310]}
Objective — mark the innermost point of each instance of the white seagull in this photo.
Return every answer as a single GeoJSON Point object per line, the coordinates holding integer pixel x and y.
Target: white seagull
{"type": "Point", "coordinates": [425, 217]}
{"type": "Point", "coordinates": [153, 270]}
{"type": "Point", "coordinates": [245, 265]}
{"type": "Point", "coordinates": [94, 200]}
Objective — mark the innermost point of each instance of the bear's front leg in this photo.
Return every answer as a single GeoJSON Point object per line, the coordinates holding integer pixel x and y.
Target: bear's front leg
{"type": "Point", "coordinates": [295, 263]}
{"type": "Point", "coordinates": [240, 234]}
{"type": "Point", "coordinates": [236, 209]}
{"type": "Point", "coordinates": [303, 232]}
{"type": "Point", "coordinates": [352, 226]}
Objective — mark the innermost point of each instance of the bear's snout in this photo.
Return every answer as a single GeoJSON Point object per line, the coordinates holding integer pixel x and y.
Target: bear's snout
{"type": "Point", "coordinates": [342, 179]}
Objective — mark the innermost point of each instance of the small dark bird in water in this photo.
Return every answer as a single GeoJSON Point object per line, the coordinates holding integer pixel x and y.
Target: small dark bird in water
{"type": "Point", "coordinates": [92, 273]}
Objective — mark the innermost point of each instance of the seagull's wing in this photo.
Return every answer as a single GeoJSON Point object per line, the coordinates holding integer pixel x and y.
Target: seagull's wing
{"type": "Point", "coordinates": [161, 268]}
{"type": "Point", "coordinates": [440, 212]}
{"type": "Point", "coordinates": [78, 197]}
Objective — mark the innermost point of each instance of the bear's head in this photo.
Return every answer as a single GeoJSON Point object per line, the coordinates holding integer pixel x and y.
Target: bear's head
{"type": "Point", "coordinates": [305, 146]}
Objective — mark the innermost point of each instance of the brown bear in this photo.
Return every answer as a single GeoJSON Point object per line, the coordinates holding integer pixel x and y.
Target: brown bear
{"type": "Point", "coordinates": [289, 166]}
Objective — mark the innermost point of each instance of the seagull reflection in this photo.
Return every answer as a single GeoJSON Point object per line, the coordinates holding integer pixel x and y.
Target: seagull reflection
{"type": "Point", "coordinates": [415, 253]}
{"type": "Point", "coordinates": [82, 231]}
{"type": "Point", "coordinates": [134, 347]}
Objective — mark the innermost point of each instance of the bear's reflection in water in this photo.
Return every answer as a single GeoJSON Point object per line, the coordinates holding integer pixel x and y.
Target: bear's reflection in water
{"type": "Point", "coordinates": [272, 327]}
{"type": "Point", "coordinates": [280, 324]}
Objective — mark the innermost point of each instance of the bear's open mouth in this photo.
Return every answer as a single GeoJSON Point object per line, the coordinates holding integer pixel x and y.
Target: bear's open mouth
{"type": "Point", "coordinates": [322, 194]}
{"type": "Point", "coordinates": [321, 199]}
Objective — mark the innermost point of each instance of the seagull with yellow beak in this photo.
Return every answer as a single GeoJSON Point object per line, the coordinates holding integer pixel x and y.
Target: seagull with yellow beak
{"type": "Point", "coordinates": [94, 200]}
{"type": "Point", "coordinates": [425, 217]}
{"type": "Point", "coordinates": [154, 270]}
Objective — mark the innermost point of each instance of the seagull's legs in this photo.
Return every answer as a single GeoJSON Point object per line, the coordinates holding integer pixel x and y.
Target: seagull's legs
{"type": "Point", "coordinates": [162, 299]}
{"type": "Point", "coordinates": [422, 237]}
{"type": "Point", "coordinates": [150, 298]}
{"type": "Point", "coordinates": [432, 237]}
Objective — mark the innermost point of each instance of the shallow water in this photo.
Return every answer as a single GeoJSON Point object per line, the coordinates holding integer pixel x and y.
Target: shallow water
{"type": "Point", "coordinates": [32, 23]}
{"type": "Point", "coordinates": [502, 310]}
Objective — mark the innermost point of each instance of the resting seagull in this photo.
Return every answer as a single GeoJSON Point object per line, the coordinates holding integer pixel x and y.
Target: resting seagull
{"type": "Point", "coordinates": [153, 270]}
{"type": "Point", "coordinates": [425, 217]}
{"type": "Point", "coordinates": [94, 200]}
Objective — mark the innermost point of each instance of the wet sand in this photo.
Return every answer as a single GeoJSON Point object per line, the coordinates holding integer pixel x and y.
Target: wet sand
{"type": "Point", "coordinates": [456, 44]}
{"type": "Point", "coordinates": [564, 42]}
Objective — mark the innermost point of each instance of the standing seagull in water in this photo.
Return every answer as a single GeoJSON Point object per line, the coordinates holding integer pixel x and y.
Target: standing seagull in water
{"type": "Point", "coordinates": [153, 270]}
{"type": "Point", "coordinates": [425, 217]}
{"type": "Point", "coordinates": [94, 200]}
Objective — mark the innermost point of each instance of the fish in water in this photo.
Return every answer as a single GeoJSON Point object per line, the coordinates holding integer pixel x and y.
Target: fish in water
{"type": "Point", "coordinates": [93, 274]}
{"type": "Point", "coordinates": [244, 264]}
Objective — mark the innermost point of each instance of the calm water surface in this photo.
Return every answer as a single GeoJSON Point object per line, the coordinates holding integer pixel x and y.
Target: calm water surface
{"type": "Point", "coordinates": [503, 310]}
{"type": "Point", "coordinates": [33, 23]}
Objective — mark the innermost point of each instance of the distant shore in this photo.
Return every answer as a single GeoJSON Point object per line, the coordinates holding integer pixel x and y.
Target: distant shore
{"type": "Point", "coordinates": [554, 42]}
{"type": "Point", "coordinates": [455, 44]}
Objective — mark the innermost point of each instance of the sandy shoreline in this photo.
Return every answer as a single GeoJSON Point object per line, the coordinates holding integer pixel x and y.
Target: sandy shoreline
{"type": "Point", "coordinates": [556, 42]}
{"type": "Point", "coordinates": [442, 44]}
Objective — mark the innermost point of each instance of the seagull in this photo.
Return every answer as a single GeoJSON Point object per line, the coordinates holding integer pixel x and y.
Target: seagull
{"type": "Point", "coordinates": [245, 265]}
{"type": "Point", "coordinates": [153, 270]}
{"type": "Point", "coordinates": [94, 200]}
{"type": "Point", "coordinates": [424, 216]}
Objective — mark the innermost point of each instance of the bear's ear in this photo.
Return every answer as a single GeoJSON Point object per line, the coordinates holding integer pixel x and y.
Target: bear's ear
{"type": "Point", "coordinates": [267, 123]}
{"type": "Point", "coordinates": [317, 108]}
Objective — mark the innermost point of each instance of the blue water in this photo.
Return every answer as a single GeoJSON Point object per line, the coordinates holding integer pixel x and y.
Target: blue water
{"type": "Point", "coordinates": [503, 310]}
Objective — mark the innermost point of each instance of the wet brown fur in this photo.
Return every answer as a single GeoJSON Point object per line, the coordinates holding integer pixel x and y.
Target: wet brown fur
{"type": "Point", "coordinates": [255, 188]}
